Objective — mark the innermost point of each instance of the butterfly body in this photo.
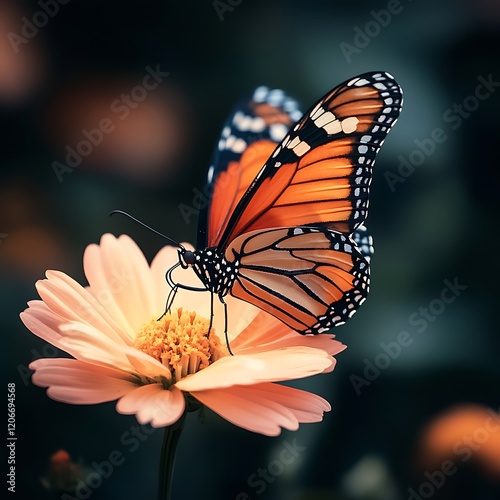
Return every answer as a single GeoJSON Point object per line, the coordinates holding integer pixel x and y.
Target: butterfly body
{"type": "Point", "coordinates": [283, 229]}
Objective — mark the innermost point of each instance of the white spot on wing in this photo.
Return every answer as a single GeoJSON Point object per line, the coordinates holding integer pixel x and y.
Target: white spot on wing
{"type": "Point", "coordinates": [260, 94]}
{"type": "Point", "coordinates": [277, 131]}
{"type": "Point", "coordinates": [301, 149]}
{"type": "Point", "coordinates": [276, 151]}
{"type": "Point", "coordinates": [257, 125]}
{"type": "Point", "coordinates": [276, 97]}
{"type": "Point", "coordinates": [239, 146]}
{"type": "Point", "coordinates": [323, 119]}
{"type": "Point", "coordinates": [293, 142]}
{"type": "Point", "coordinates": [210, 174]}
{"type": "Point", "coordinates": [333, 127]}
{"type": "Point", "coordinates": [317, 111]}
{"type": "Point", "coordinates": [349, 125]}
{"type": "Point", "coordinates": [361, 81]}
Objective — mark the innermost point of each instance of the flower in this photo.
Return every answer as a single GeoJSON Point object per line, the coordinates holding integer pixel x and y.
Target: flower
{"type": "Point", "coordinates": [154, 365]}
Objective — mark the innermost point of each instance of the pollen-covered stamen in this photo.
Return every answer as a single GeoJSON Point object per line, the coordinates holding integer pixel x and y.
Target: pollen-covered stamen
{"type": "Point", "coordinates": [180, 341]}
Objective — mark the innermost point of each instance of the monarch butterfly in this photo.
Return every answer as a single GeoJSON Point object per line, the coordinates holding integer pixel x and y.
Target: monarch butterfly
{"type": "Point", "coordinates": [289, 194]}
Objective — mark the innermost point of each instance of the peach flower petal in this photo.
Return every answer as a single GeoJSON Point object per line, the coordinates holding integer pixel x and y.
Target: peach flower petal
{"type": "Point", "coordinates": [154, 405]}
{"type": "Point", "coordinates": [87, 344]}
{"type": "Point", "coordinates": [256, 414]}
{"type": "Point", "coordinates": [69, 300]}
{"type": "Point", "coordinates": [41, 321]}
{"type": "Point", "coordinates": [142, 275]}
{"type": "Point", "coordinates": [240, 315]}
{"type": "Point", "coordinates": [306, 407]}
{"type": "Point", "coordinates": [47, 325]}
{"type": "Point", "coordinates": [122, 280]}
{"type": "Point", "coordinates": [264, 408]}
{"type": "Point", "coordinates": [272, 366]}
{"type": "Point", "coordinates": [111, 282]}
{"type": "Point", "coordinates": [146, 365]}
{"type": "Point", "coordinates": [267, 333]}
{"type": "Point", "coordinates": [77, 382]}
{"type": "Point", "coordinates": [263, 330]}
{"type": "Point", "coordinates": [322, 341]}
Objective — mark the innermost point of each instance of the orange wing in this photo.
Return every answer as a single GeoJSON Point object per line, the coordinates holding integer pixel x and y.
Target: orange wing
{"type": "Point", "coordinates": [311, 279]}
{"type": "Point", "coordinates": [321, 171]}
{"type": "Point", "coordinates": [232, 184]}
{"type": "Point", "coordinates": [248, 138]}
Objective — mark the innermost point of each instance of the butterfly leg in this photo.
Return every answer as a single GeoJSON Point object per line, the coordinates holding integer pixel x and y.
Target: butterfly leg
{"type": "Point", "coordinates": [211, 314]}
{"type": "Point", "coordinates": [170, 281]}
{"type": "Point", "coordinates": [225, 325]}
{"type": "Point", "coordinates": [170, 300]}
{"type": "Point", "coordinates": [174, 288]}
{"type": "Point", "coordinates": [168, 275]}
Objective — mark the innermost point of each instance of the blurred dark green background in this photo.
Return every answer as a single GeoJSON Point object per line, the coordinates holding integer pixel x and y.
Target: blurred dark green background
{"type": "Point", "coordinates": [437, 221]}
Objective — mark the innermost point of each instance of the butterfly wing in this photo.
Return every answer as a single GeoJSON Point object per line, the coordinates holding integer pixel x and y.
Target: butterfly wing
{"type": "Point", "coordinates": [312, 279]}
{"type": "Point", "coordinates": [364, 242]}
{"type": "Point", "coordinates": [321, 172]}
{"type": "Point", "coordinates": [256, 127]}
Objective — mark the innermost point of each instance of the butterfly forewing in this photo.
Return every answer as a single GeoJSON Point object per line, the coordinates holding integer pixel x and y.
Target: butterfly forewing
{"type": "Point", "coordinates": [321, 171]}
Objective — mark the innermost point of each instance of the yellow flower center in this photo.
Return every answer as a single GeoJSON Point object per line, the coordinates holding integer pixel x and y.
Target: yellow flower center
{"type": "Point", "coordinates": [181, 342]}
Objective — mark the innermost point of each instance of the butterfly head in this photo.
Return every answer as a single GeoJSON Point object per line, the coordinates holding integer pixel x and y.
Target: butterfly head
{"type": "Point", "coordinates": [186, 257]}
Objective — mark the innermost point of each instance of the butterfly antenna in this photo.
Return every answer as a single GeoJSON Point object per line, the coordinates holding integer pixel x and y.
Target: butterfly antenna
{"type": "Point", "coordinates": [173, 242]}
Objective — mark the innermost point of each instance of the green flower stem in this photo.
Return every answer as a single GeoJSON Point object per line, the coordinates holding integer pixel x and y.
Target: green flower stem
{"type": "Point", "coordinates": [167, 460]}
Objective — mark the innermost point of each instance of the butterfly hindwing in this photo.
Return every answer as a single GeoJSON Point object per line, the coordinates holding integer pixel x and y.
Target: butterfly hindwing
{"type": "Point", "coordinates": [364, 242]}
{"type": "Point", "coordinates": [322, 170]}
{"type": "Point", "coordinates": [312, 279]}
